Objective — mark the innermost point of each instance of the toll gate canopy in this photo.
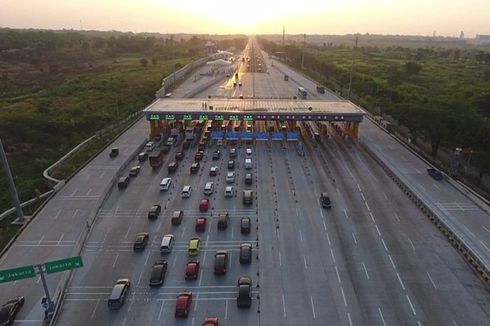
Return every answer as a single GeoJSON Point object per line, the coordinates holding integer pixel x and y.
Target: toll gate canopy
{"type": "Point", "coordinates": [253, 109]}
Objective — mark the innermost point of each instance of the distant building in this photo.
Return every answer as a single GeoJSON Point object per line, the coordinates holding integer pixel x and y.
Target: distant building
{"type": "Point", "coordinates": [482, 39]}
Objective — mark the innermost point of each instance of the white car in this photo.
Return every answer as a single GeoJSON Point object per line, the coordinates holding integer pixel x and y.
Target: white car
{"type": "Point", "coordinates": [186, 191]}
{"type": "Point", "coordinates": [165, 184]}
{"type": "Point", "coordinates": [248, 151]}
{"type": "Point", "coordinates": [170, 140]}
{"type": "Point", "coordinates": [230, 177]}
{"type": "Point", "coordinates": [228, 191]}
{"type": "Point", "coordinates": [208, 188]}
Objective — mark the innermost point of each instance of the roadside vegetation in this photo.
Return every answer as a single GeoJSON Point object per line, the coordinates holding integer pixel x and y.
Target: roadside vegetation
{"type": "Point", "coordinates": [57, 88]}
{"type": "Point", "coordinates": [439, 91]}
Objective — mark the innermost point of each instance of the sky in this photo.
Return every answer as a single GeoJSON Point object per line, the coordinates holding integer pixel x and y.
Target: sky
{"type": "Point", "coordinates": [402, 17]}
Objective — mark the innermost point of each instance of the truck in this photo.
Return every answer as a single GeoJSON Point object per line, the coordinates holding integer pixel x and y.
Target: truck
{"type": "Point", "coordinates": [190, 132]}
{"type": "Point", "coordinates": [435, 174]}
{"type": "Point", "coordinates": [156, 159]}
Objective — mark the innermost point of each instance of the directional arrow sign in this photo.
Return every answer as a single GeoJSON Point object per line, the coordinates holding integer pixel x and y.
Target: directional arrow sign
{"type": "Point", "coordinates": [17, 273]}
{"type": "Point", "coordinates": [63, 264]}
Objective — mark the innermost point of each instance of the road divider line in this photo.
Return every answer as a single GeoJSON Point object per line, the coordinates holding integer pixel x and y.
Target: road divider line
{"type": "Point", "coordinates": [95, 309]}
{"type": "Point", "coordinates": [226, 309]}
{"type": "Point", "coordinates": [411, 305]}
{"type": "Point", "coordinates": [312, 307]}
{"type": "Point", "coordinates": [115, 260]}
{"type": "Point", "coordinates": [397, 217]}
{"type": "Point", "coordinates": [338, 275]}
{"type": "Point", "coordinates": [431, 280]}
{"type": "Point", "coordinates": [283, 307]}
{"type": "Point", "coordinates": [328, 239]}
{"type": "Point", "coordinates": [300, 236]}
{"type": "Point", "coordinates": [343, 296]}
{"type": "Point", "coordinates": [400, 280]}
{"type": "Point", "coordinates": [392, 262]}
{"type": "Point", "coordinates": [75, 213]}
{"type": "Point", "coordinates": [139, 278]}
{"type": "Point", "coordinates": [304, 260]}
{"type": "Point", "coordinates": [411, 243]}
{"type": "Point", "coordinates": [365, 270]}
{"type": "Point", "coordinates": [384, 244]}
{"type": "Point", "coordinates": [485, 228]}
{"type": "Point", "coordinates": [354, 237]}
{"type": "Point", "coordinates": [369, 209]}
{"type": "Point", "coordinates": [381, 315]}
{"type": "Point", "coordinates": [40, 240]}
{"type": "Point", "coordinates": [161, 309]}
{"type": "Point", "coordinates": [61, 238]}
{"type": "Point", "coordinates": [280, 260]}
{"type": "Point", "coordinates": [333, 257]}
{"type": "Point", "coordinates": [325, 226]}
{"type": "Point", "coordinates": [377, 229]}
{"type": "Point", "coordinates": [350, 320]}
{"type": "Point", "coordinates": [372, 218]}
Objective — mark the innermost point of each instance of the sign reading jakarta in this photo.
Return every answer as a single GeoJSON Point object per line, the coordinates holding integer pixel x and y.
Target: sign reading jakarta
{"type": "Point", "coordinates": [63, 264]}
{"type": "Point", "coordinates": [17, 273]}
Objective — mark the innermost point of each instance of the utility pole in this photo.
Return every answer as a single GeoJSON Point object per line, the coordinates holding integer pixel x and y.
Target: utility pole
{"type": "Point", "coordinates": [352, 68]}
{"type": "Point", "coordinates": [283, 36]}
{"type": "Point", "coordinates": [303, 54]}
{"type": "Point", "coordinates": [10, 181]}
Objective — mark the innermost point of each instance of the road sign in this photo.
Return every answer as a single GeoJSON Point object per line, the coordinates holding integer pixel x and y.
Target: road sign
{"type": "Point", "coordinates": [17, 273]}
{"type": "Point", "coordinates": [292, 136]}
{"type": "Point", "coordinates": [217, 135]}
{"type": "Point", "coordinates": [277, 136]}
{"type": "Point", "coordinates": [262, 136]}
{"type": "Point", "coordinates": [63, 264]}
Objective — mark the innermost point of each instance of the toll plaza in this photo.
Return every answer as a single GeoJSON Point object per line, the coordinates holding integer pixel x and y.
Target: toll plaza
{"type": "Point", "coordinates": [345, 114]}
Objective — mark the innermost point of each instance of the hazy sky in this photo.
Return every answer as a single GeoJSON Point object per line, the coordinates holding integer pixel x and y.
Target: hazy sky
{"type": "Point", "coordinates": [415, 17]}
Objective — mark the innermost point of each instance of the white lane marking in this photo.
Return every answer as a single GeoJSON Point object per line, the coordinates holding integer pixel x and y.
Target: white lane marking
{"type": "Point", "coordinates": [485, 228]}
{"type": "Point", "coordinates": [139, 278]}
{"type": "Point", "coordinates": [115, 260]}
{"type": "Point", "coordinates": [124, 322]}
{"type": "Point", "coordinates": [384, 244]}
{"type": "Point", "coordinates": [229, 261]}
{"type": "Point", "coordinates": [377, 229]}
{"type": "Point", "coordinates": [359, 187]}
{"type": "Point", "coordinates": [75, 213]}
{"type": "Point", "coordinates": [381, 315]}
{"type": "Point", "coordinates": [95, 308]}
{"type": "Point", "coordinates": [411, 243]}
{"type": "Point", "coordinates": [397, 217]}
{"type": "Point", "coordinates": [277, 233]}
{"type": "Point", "coordinates": [363, 198]}
{"type": "Point", "coordinates": [365, 270]}
{"type": "Point", "coordinates": [369, 209]}
{"type": "Point", "coordinates": [432, 281]}
{"type": "Point", "coordinates": [147, 257]}
{"type": "Point", "coordinates": [372, 217]}
{"type": "Point", "coordinates": [204, 257]}
{"type": "Point", "coordinates": [321, 213]}
{"type": "Point", "coordinates": [436, 186]}
{"type": "Point", "coordinates": [484, 245]}
{"type": "Point", "coordinates": [411, 305]}
{"type": "Point", "coordinates": [472, 234]}
{"type": "Point", "coordinates": [392, 262]}
{"type": "Point", "coordinates": [328, 239]}
{"type": "Point", "coordinates": [338, 275]}
{"type": "Point", "coordinates": [343, 296]}
{"type": "Point", "coordinates": [161, 309]}
{"type": "Point", "coordinates": [312, 307]}
{"type": "Point", "coordinates": [419, 323]}
{"type": "Point", "coordinates": [61, 238]}
{"type": "Point", "coordinates": [232, 231]}
{"type": "Point", "coordinates": [193, 319]}
{"type": "Point", "coordinates": [73, 193]}
{"type": "Point", "coordinates": [304, 259]}
{"type": "Point", "coordinates": [354, 237]}
{"type": "Point", "coordinates": [127, 233]}
{"type": "Point", "coordinates": [57, 214]}
{"type": "Point", "coordinates": [88, 192]}
{"type": "Point", "coordinates": [226, 309]}
{"type": "Point", "coordinates": [345, 213]}
{"type": "Point", "coordinates": [280, 260]}
{"type": "Point", "coordinates": [384, 194]}
{"type": "Point", "coordinates": [175, 260]}
{"type": "Point", "coordinates": [400, 280]}
{"type": "Point", "coordinates": [207, 238]}
{"type": "Point", "coordinates": [40, 240]}
{"type": "Point", "coordinates": [333, 257]}
{"type": "Point", "coordinates": [454, 323]}
{"type": "Point", "coordinates": [350, 320]}
{"type": "Point", "coordinates": [283, 307]}
{"type": "Point", "coordinates": [324, 225]}
{"type": "Point", "coordinates": [300, 235]}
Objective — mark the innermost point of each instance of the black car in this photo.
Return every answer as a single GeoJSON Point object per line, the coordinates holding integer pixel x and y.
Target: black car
{"type": "Point", "coordinates": [119, 293]}
{"type": "Point", "coordinates": [220, 262]}
{"type": "Point", "coordinates": [141, 241]}
{"type": "Point", "coordinates": [114, 152]}
{"type": "Point", "coordinates": [142, 156]}
{"type": "Point", "coordinates": [244, 297]}
{"type": "Point", "coordinates": [154, 212]}
{"type": "Point", "coordinates": [135, 170]}
{"type": "Point", "coordinates": [9, 310]}
{"type": "Point", "coordinates": [216, 155]}
{"type": "Point", "coordinates": [123, 182]}
{"type": "Point", "coordinates": [158, 272]}
{"type": "Point", "coordinates": [248, 178]}
{"type": "Point", "coordinates": [245, 253]}
{"type": "Point", "coordinates": [231, 164]}
{"type": "Point", "coordinates": [199, 155]}
{"type": "Point", "coordinates": [195, 167]}
{"type": "Point", "coordinates": [245, 225]}
{"type": "Point", "coordinates": [179, 156]}
{"type": "Point", "coordinates": [172, 167]}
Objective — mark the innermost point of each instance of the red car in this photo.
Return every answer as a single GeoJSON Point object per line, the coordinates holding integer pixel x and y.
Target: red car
{"type": "Point", "coordinates": [210, 321]}
{"type": "Point", "coordinates": [183, 305]}
{"type": "Point", "coordinates": [192, 270]}
{"type": "Point", "coordinates": [204, 205]}
{"type": "Point", "coordinates": [201, 224]}
{"type": "Point", "coordinates": [213, 171]}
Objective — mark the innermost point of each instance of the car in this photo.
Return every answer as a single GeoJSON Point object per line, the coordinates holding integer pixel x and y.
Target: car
{"type": "Point", "coordinates": [247, 197]}
{"type": "Point", "coordinates": [248, 151]}
{"type": "Point", "coordinates": [158, 271]}
{"type": "Point", "coordinates": [245, 253]}
{"type": "Point", "coordinates": [204, 205]}
{"type": "Point", "coordinates": [141, 241]}
{"type": "Point", "coordinates": [119, 293]}
{"type": "Point", "coordinates": [244, 297]}
{"type": "Point", "coordinates": [210, 321]}
{"type": "Point", "coordinates": [183, 304]}
{"type": "Point", "coordinates": [150, 146]}
{"type": "Point", "coordinates": [220, 262]}
{"type": "Point", "coordinates": [248, 178]}
{"type": "Point", "coordinates": [194, 246]}
{"type": "Point", "coordinates": [216, 155]}
{"type": "Point", "coordinates": [123, 182]}
{"type": "Point", "coordinates": [213, 171]}
{"type": "Point", "coordinates": [172, 166]}
{"type": "Point", "coordinates": [435, 174]}
{"type": "Point", "coordinates": [195, 167]}
{"type": "Point", "coordinates": [154, 212]}
{"type": "Point", "coordinates": [157, 137]}
{"type": "Point", "coordinates": [170, 141]}
{"type": "Point", "coordinates": [198, 156]}
{"type": "Point", "coordinates": [192, 270]}
{"type": "Point", "coordinates": [166, 244]}
{"type": "Point", "coordinates": [223, 220]}
{"type": "Point", "coordinates": [245, 225]}
{"type": "Point", "coordinates": [325, 200]}
{"type": "Point", "coordinates": [232, 152]}
{"type": "Point", "coordinates": [239, 84]}
{"type": "Point", "coordinates": [230, 177]}
{"type": "Point", "coordinates": [201, 224]}
{"type": "Point", "coordinates": [241, 96]}
{"type": "Point", "coordinates": [177, 217]}
{"type": "Point", "coordinates": [179, 156]}
{"type": "Point", "coordinates": [231, 164]}
{"type": "Point", "coordinates": [114, 152]}
{"type": "Point", "coordinates": [229, 191]}
{"type": "Point", "coordinates": [134, 171]}
{"type": "Point", "coordinates": [219, 143]}
{"type": "Point", "coordinates": [9, 310]}
{"type": "Point", "coordinates": [143, 156]}
{"type": "Point", "coordinates": [208, 188]}
{"type": "Point", "coordinates": [165, 184]}
{"type": "Point", "coordinates": [186, 191]}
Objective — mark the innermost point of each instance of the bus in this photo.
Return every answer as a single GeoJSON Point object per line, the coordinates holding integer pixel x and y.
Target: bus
{"type": "Point", "coordinates": [302, 92]}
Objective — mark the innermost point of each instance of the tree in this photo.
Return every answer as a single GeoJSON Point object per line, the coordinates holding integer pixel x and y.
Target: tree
{"type": "Point", "coordinates": [144, 62]}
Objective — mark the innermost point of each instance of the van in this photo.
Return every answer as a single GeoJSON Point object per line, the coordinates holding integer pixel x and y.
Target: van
{"type": "Point", "coordinates": [208, 188]}
{"type": "Point", "coordinates": [186, 191]}
{"type": "Point", "coordinates": [223, 221]}
{"type": "Point", "coordinates": [150, 146]}
{"type": "Point", "coordinates": [325, 200]}
{"type": "Point", "coordinates": [167, 242]}
{"type": "Point", "coordinates": [247, 197]}
{"type": "Point", "coordinates": [248, 163]}
{"type": "Point", "coordinates": [165, 184]}
{"type": "Point", "coordinates": [177, 217]}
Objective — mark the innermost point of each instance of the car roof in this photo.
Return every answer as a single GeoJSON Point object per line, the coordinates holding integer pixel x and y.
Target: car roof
{"type": "Point", "coordinates": [229, 188]}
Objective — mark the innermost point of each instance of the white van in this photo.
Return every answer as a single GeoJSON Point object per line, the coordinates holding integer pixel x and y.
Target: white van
{"type": "Point", "coordinates": [228, 191]}
{"type": "Point", "coordinates": [166, 245]}
{"type": "Point", "coordinates": [248, 163]}
{"type": "Point", "coordinates": [186, 191]}
{"type": "Point", "coordinates": [150, 146]}
{"type": "Point", "coordinates": [165, 184]}
{"type": "Point", "coordinates": [208, 188]}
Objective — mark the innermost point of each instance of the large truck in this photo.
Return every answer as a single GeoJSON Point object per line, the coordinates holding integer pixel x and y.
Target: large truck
{"type": "Point", "coordinates": [190, 131]}
{"type": "Point", "coordinates": [156, 159]}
